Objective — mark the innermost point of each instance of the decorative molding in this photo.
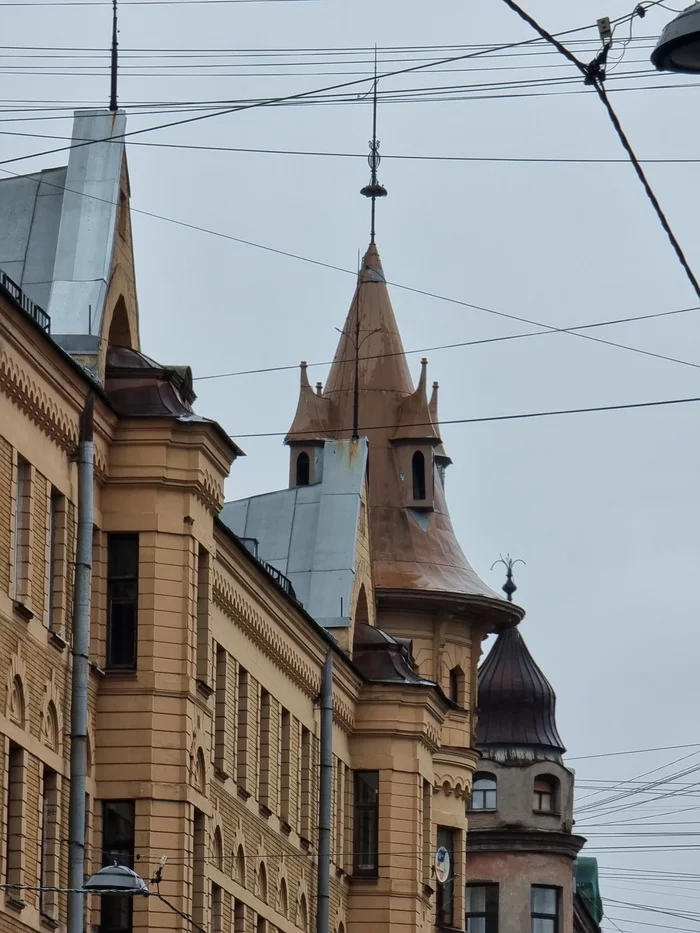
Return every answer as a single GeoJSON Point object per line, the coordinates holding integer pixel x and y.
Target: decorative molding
{"type": "Point", "coordinates": [452, 785]}
{"type": "Point", "coordinates": [271, 643]}
{"type": "Point", "coordinates": [17, 698]}
{"type": "Point", "coordinates": [51, 729]}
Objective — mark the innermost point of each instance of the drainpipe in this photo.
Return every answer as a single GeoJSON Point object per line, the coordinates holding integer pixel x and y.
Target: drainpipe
{"type": "Point", "coordinates": [79, 684]}
{"type": "Point", "coordinates": [323, 908]}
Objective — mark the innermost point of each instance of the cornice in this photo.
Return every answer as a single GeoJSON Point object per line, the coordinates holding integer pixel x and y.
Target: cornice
{"type": "Point", "coordinates": [525, 840]}
{"type": "Point", "coordinates": [495, 613]}
{"type": "Point", "coordinates": [280, 651]}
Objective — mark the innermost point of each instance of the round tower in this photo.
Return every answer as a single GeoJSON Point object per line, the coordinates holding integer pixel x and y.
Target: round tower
{"type": "Point", "coordinates": [521, 849]}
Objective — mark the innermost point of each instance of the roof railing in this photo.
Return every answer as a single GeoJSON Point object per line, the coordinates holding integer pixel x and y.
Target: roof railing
{"type": "Point", "coordinates": [13, 291]}
{"type": "Point", "coordinates": [280, 579]}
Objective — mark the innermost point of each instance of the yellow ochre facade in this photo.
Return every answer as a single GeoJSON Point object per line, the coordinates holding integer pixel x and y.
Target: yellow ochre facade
{"type": "Point", "coordinates": [207, 649]}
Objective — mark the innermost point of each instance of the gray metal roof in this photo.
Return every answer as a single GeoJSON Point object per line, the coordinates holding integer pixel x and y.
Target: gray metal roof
{"type": "Point", "coordinates": [309, 533]}
{"type": "Point", "coordinates": [58, 226]}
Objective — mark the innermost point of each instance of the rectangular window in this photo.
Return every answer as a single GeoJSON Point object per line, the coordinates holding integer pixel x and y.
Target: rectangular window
{"type": "Point", "coordinates": [366, 824]}
{"type": "Point", "coordinates": [264, 746]}
{"type": "Point", "coordinates": [122, 600]}
{"type": "Point", "coordinates": [481, 908]}
{"type": "Point", "coordinates": [238, 917]}
{"type": "Point", "coordinates": [285, 766]}
{"type": "Point", "coordinates": [199, 855]}
{"type": "Point", "coordinates": [57, 508]}
{"type": "Point", "coordinates": [242, 715]}
{"type": "Point", "coordinates": [118, 831]}
{"type": "Point", "coordinates": [16, 815]}
{"type": "Point", "coordinates": [305, 784]}
{"type": "Point", "coordinates": [222, 753]}
{"type": "Point", "coordinates": [427, 833]}
{"type": "Point", "coordinates": [339, 813]}
{"type": "Point", "coordinates": [23, 506]}
{"type": "Point", "coordinates": [203, 626]}
{"type": "Point", "coordinates": [544, 909]}
{"type": "Point", "coordinates": [49, 845]}
{"type": "Point", "coordinates": [217, 909]}
{"type": "Point", "coordinates": [445, 893]}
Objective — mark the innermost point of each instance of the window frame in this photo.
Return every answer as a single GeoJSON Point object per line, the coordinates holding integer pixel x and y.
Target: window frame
{"type": "Point", "coordinates": [302, 469]}
{"type": "Point", "coordinates": [120, 850]}
{"type": "Point", "coordinates": [418, 476]}
{"type": "Point", "coordinates": [114, 582]}
{"type": "Point", "coordinates": [365, 864]}
{"type": "Point", "coordinates": [484, 808]}
{"type": "Point", "coordinates": [539, 794]}
{"type": "Point", "coordinates": [490, 918]}
{"type": "Point", "coordinates": [540, 915]}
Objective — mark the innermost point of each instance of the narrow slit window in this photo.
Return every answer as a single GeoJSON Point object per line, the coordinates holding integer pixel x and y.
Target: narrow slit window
{"type": "Point", "coordinates": [264, 746]}
{"type": "Point", "coordinates": [418, 470]}
{"type": "Point", "coordinates": [366, 823]}
{"type": "Point", "coordinates": [49, 846]}
{"type": "Point", "coordinates": [122, 599]}
{"type": "Point", "coordinates": [285, 766]}
{"type": "Point", "coordinates": [22, 525]}
{"type": "Point", "coordinates": [118, 835]}
{"type": "Point", "coordinates": [16, 815]}
{"type": "Point", "coordinates": [303, 469]}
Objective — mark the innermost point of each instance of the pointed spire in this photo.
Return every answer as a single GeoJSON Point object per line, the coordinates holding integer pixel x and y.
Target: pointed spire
{"type": "Point", "coordinates": [414, 421]}
{"type": "Point", "coordinates": [374, 190]}
{"type": "Point", "coordinates": [312, 414]}
{"type": "Point", "coordinates": [517, 704]}
{"type": "Point", "coordinates": [115, 62]}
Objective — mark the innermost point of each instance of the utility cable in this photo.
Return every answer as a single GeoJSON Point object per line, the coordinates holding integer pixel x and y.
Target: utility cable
{"type": "Point", "coordinates": [576, 332]}
{"type": "Point", "coordinates": [277, 100]}
{"type": "Point", "coordinates": [490, 419]}
{"type": "Point", "coordinates": [594, 75]}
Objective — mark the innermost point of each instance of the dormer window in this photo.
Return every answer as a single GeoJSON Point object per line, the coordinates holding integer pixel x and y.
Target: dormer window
{"type": "Point", "coordinates": [303, 469]}
{"type": "Point", "coordinates": [418, 472]}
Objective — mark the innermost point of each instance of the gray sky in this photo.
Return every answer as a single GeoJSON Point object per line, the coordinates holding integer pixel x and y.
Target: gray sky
{"type": "Point", "coordinates": [602, 507]}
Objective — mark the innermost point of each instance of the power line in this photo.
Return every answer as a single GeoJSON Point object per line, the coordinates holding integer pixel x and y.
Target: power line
{"type": "Point", "coordinates": [594, 75]}
{"type": "Point", "coordinates": [634, 751]}
{"type": "Point", "coordinates": [547, 328]}
{"type": "Point", "coordinates": [493, 418]}
{"type": "Point", "coordinates": [277, 100]}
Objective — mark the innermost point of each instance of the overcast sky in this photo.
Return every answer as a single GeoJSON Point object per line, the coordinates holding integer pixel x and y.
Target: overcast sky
{"type": "Point", "coordinates": [602, 507]}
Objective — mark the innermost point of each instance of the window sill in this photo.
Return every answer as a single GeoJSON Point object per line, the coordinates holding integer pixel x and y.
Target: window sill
{"type": "Point", "coordinates": [22, 610]}
{"type": "Point", "coordinates": [205, 689]}
{"type": "Point", "coordinates": [554, 813]}
{"type": "Point", "coordinates": [114, 673]}
{"type": "Point", "coordinates": [96, 669]}
{"type": "Point", "coordinates": [15, 902]}
{"type": "Point", "coordinates": [364, 878]}
{"type": "Point", "coordinates": [243, 793]}
{"type": "Point", "coordinates": [49, 922]}
{"type": "Point", "coordinates": [57, 640]}
{"type": "Point", "coordinates": [264, 811]}
{"type": "Point", "coordinates": [285, 827]}
{"type": "Point", "coordinates": [483, 810]}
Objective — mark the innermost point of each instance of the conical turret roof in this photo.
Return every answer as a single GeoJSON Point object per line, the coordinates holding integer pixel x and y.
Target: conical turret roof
{"type": "Point", "coordinates": [517, 704]}
{"type": "Point", "coordinates": [411, 550]}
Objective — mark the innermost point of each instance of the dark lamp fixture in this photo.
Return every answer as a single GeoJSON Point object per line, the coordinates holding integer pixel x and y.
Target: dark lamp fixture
{"type": "Point", "coordinates": [116, 879]}
{"type": "Point", "coordinates": [678, 49]}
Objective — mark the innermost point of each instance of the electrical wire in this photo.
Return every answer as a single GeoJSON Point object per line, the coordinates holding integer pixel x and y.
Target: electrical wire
{"type": "Point", "coordinates": [522, 416]}
{"type": "Point", "coordinates": [276, 100]}
{"type": "Point", "coordinates": [594, 76]}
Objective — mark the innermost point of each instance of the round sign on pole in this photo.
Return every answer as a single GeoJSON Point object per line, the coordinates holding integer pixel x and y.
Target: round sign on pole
{"type": "Point", "coordinates": [442, 865]}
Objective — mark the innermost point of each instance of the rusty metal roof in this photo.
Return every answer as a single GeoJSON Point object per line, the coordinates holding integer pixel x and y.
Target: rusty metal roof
{"type": "Point", "coordinates": [517, 704]}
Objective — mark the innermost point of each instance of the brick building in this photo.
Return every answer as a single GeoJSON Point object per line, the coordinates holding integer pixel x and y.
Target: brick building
{"type": "Point", "coordinates": [210, 622]}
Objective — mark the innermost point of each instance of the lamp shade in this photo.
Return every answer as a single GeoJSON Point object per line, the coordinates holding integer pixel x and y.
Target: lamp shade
{"type": "Point", "coordinates": [117, 879]}
{"type": "Point", "coordinates": [678, 49]}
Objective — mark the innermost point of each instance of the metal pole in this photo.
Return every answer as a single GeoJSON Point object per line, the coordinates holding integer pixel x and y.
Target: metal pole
{"type": "Point", "coordinates": [114, 62]}
{"type": "Point", "coordinates": [79, 686]}
{"type": "Point", "coordinates": [323, 914]}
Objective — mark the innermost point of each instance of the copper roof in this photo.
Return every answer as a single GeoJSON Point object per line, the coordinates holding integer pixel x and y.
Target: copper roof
{"type": "Point", "coordinates": [517, 705]}
{"type": "Point", "coordinates": [382, 658]}
{"type": "Point", "coordinates": [410, 551]}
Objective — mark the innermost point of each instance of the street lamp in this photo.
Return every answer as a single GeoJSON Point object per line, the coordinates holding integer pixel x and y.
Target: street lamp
{"type": "Point", "coordinates": [678, 49]}
{"type": "Point", "coordinates": [115, 879]}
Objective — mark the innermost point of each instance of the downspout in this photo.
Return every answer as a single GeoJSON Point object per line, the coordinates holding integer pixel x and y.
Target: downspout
{"type": "Point", "coordinates": [80, 671]}
{"type": "Point", "coordinates": [323, 907]}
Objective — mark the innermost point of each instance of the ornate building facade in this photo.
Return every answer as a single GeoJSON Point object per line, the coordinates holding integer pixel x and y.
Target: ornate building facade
{"type": "Point", "coordinates": [210, 622]}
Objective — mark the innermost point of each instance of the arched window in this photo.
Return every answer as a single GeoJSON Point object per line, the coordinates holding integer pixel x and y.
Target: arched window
{"type": "Point", "coordinates": [545, 794]}
{"type": "Point", "coordinates": [262, 882]}
{"type": "Point", "coordinates": [457, 685]}
{"type": "Point", "coordinates": [303, 469]}
{"type": "Point", "coordinates": [418, 470]}
{"type": "Point", "coordinates": [484, 792]}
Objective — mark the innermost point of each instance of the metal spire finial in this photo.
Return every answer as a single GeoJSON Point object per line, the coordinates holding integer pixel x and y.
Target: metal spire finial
{"type": "Point", "coordinates": [509, 586]}
{"type": "Point", "coordinates": [374, 190]}
{"type": "Point", "coordinates": [114, 67]}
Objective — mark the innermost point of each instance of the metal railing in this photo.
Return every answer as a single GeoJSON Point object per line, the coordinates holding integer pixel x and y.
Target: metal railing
{"type": "Point", "coordinates": [13, 291]}
{"type": "Point", "coordinates": [280, 579]}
